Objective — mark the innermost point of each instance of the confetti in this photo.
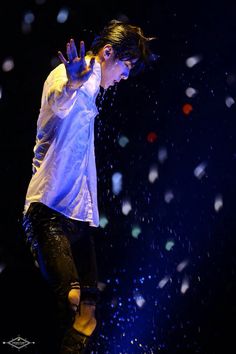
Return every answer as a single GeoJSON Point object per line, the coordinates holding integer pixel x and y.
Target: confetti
{"type": "Point", "coordinates": [29, 17]}
{"type": "Point", "coordinates": [168, 196]}
{"type": "Point", "coordinates": [169, 245]}
{"type": "Point", "coordinates": [126, 207]}
{"type": "Point", "coordinates": [199, 171]}
{"type": "Point", "coordinates": [191, 92]}
{"type": "Point", "coordinates": [187, 108]}
{"type": "Point", "coordinates": [139, 299]}
{"type": "Point", "coordinates": [229, 101]}
{"type": "Point", "coordinates": [218, 204]}
{"type": "Point", "coordinates": [116, 183]}
{"type": "Point", "coordinates": [63, 15]}
{"type": "Point", "coordinates": [123, 141]}
{"type": "Point", "coordinates": [103, 221]}
{"type": "Point", "coordinates": [182, 265]}
{"type": "Point", "coordinates": [152, 137]}
{"type": "Point", "coordinates": [184, 285]}
{"type": "Point", "coordinates": [8, 64]}
{"type": "Point", "coordinates": [163, 282]}
{"type": "Point", "coordinates": [162, 154]}
{"type": "Point", "coordinates": [153, 174]}
{"type": "Point", "coordinates": [136, 230]}
{"type": "Point", "coordinates": [192, 61]}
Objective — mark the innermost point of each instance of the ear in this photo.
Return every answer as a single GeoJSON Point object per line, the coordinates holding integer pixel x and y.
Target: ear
{"type": "Point", "coordinates": [107, 51]}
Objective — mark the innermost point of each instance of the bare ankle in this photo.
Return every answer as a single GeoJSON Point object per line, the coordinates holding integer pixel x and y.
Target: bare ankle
{"type": "Point", "coordinates": [85, 327]}
{"type": "Point", "coordinates": [74, 298]}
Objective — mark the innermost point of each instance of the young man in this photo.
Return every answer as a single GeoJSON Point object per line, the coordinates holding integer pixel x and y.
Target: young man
{"type": "Point", "coordinates": [61, 200]}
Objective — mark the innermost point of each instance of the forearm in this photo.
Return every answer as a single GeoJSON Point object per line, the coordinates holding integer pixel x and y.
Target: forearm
{"type": "Point", "coordinates": [61, 96]}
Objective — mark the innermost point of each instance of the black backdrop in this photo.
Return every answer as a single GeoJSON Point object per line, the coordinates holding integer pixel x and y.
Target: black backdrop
{"type": "Point", "coordinates": [184, 219]}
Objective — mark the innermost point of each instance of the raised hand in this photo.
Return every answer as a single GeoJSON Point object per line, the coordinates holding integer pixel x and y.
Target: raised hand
{"type": "Point", "coordinates": [76, 67]}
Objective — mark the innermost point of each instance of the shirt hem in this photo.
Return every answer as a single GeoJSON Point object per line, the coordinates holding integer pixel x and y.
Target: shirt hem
{"type": "Point", "coordinates": [91, 222]}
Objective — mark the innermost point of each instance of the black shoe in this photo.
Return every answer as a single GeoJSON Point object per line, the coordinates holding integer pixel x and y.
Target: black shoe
{"type": "Point", "coordinates": [74, 342]}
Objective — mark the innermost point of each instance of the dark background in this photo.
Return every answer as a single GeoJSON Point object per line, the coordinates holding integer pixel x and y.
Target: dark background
{"type": "Point", "coordinates": [202, 319]}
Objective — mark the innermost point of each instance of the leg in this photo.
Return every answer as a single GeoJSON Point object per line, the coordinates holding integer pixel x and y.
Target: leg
{"type": "Point", "coordinates": [48, 241]}
{"type": "Point", "coordinates": [45, 230]}
{"type": "Point", "coordinates": [79, 335]}
{"type": "Point", "coordinates": [57, 266]}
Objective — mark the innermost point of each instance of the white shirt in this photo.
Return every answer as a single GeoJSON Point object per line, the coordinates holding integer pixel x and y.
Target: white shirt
{"type": "Point", "coordinates": [64, 170]}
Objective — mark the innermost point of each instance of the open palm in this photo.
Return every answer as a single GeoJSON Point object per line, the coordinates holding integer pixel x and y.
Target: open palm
{"type": "Point", "coordinates": [76, 67]}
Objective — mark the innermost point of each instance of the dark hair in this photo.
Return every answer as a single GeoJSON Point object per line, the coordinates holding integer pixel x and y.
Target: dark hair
{"type": "Point", "coordinates": [128, 42]}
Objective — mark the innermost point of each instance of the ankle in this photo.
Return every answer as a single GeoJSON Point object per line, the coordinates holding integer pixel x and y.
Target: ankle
{"type": "Point", "coordinates": [87, 327]}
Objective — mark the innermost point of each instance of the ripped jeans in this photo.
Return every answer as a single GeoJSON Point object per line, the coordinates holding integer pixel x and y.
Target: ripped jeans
{"type": "Point", "coordinates": [64, 251]}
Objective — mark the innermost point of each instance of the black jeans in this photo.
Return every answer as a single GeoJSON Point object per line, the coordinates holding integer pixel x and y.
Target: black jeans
{"type": "Point", "coordinates": [64, 250]}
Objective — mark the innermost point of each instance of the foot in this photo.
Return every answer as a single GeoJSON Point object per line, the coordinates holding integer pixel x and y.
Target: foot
{"type": "Point", "coordinates": [74, 342]}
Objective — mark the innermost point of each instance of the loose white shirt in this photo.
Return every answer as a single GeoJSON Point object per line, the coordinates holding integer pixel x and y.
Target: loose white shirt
{"type": "Point", "coordinates": [64, 169]}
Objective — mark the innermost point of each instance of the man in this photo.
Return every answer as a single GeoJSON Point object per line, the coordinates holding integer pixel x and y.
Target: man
{"type": "Point", "coordinates": [61, 200]}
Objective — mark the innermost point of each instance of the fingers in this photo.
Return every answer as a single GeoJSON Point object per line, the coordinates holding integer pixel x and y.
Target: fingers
{"type": "Point", "coordinates": [73, 49]}
{"type": "Point", "coordinates": [69, 51]}
{"type": "Point", "coordinates": [62, 58]}
{"type": "Point", "coordinates": [82, 50]}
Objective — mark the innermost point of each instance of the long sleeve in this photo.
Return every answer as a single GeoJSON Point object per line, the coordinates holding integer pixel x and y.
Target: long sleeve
{"type": "Point", "coordinates": [55, 95]}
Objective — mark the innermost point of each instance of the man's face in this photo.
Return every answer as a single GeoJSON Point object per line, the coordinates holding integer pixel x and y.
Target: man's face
{"type": "Point", "coordinates": [114, 70]}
